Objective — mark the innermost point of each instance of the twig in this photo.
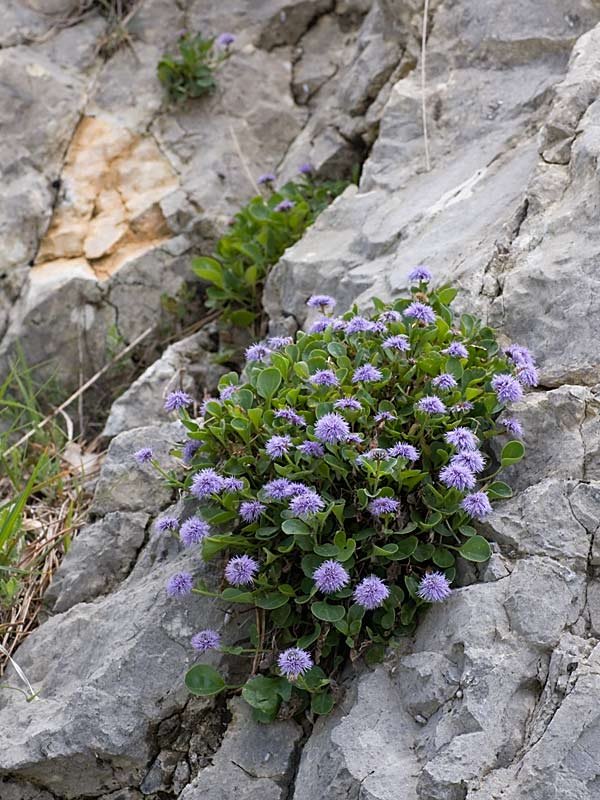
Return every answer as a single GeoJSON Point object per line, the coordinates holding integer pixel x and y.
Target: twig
{"type": "Point", "coordinates": [79, 391]}
{"type": "Point", "coordinates": [423, 64]}
{"type": "Point", "coordinates": [32, 694]}
{"type": "Point", "coordinates": [243, 160]}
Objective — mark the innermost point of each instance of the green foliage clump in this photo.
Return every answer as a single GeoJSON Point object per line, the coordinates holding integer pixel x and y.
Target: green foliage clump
{"type": "Point", "coordinates": [192, 74]}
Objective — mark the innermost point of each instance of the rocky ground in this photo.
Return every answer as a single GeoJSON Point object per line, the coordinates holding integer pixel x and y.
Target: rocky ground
{"type": "Point", "coordinates": [497, 697]}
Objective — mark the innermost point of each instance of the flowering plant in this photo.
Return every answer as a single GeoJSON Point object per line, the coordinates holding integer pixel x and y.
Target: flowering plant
{"type": "Point", "coordinates": [341, 478]}
{"type": "Point", "coordinates": [192, 74]}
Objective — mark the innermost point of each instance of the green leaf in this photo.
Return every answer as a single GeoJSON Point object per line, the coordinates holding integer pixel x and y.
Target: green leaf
{"type": "Point", "coordinates": [512, 453]}
{"type": "Point", "coordinates": [322, 703]}
{"type": "Point", "coordinates": [294, 527]}
{"type": "Point", "coordinates": [241, 318]}
{"type": "Point", "coordinates": [268, 382]}
{"type": "Point", "coordinates": [442, 558]}
{"type": "Point", "coordinates": [208, 269]}
{"type": "Point", "coordinates": [446, 296]}
{"type": "Point", "coordinates": [204, 680]}
{"type": "Point", "coordinates": [271, 601]}
{"type": "Point", "coordinates": [499, 490]}
{"type": "Point", "coordinates": [326, 612]}
{"type": "Point", "coordinates": [262, 693]}
{"type": "Point", "coordinates": [476, 549]}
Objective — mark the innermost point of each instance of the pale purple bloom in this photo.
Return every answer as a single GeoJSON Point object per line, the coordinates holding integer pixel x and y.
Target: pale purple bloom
{"type": "Point", "coordinates": [375, 454]}
{"type": "Point", "coordinates": [457, 477]}
{"type": "Point", "coordinates": [384, 416]}
{"type": "Point", "coordinates": [306, 504]}
{"type": "Point", "coordinates": [205, 483]}
{"type": "Point", "coordinates": [305, 169]}
{"type": "Point", "coordinates": [278, 446]}
{"type": "Point", "coordinates": [513, 426]}
{"type": "Point", "coordinates": [204, 405]}
{"type": "Point", "coordinates": [180, 584]}
{"type": "Point", "coordinates": [471, 459]}
{"type": "Point", "coordinates": [431, 405]}
{"type": "Point", "coordinates": [420, 274]}
{"type": "Point", "coordinates": [298, 488]}
{"type": "Point", "coordinates": [279, 489]}
{"type": "Point", "coordinates": [355, 438]}
{"type": "Point", "coordinates": [332, 428]}
{"type": "Point", "coordinates": [176, 400]}
{"type": "Point", "coordinates": [477, 505]}
{"type": "Point", "coordinates": [290, 415]}
{"type": "Point", "coordinates": [225, 39]}
{"type": "Point", "coordinates": [324, 377]}
{"type": "Point", "coordinates": [319, 325]}
{"type": "Point", "coordinates": [358, 324]}
{"type": "Point", "coordinates": [444, 381]}
{"type": "Point", "coordinates": [367, 373]}
{"type": "Point", "coordinates": [371, 592]}
{"type": "Point", "coordinates": [189, 450]}
{"type": "Point", "coordinates": [507, 388]}
{"type": "Point", "coordinates": [251, 510]}
{"type": "Point", "coordinates": [279, 342]}
{"type": "Point", "coordinates": [528, 375]}
{"type": "Point", "coordinates": [330, 577]}
{"type": "Point", "coordinates": [257, 352]}
{"type": "Point", "coordinates": [320, 301]}
{"type": "Point", "coordinates": [347, 403]}
{"type": "Point", "coordinates": [226, 392]}
{"type": "Point", "coordinates": [167, 524]}
{"type": "Point", "coordinates": [294, 662]}
{"type": "Point", "coordinates": [461, 408]}
{"type": "Point", "coordinates": [268, 177]}
{"type": "Point", "coordinates": [398, 342]}
{"type": "Point", "coordinates": [143, 455]}
{"type": "Point", "coordinates": [193, 531]}
{"type": "Point", "coordinates": [338, 324]}
{"type": "Point", "coordinates": [456, 350]}
{"type": "Point", "coordinates": [285, 205]}
{"type": "Point", "coordinates": [383, 505]}
{"type": "Point", "coordinates": [240, 570]}
{"type": "Point", "coordinates": [520, 356]}
{"type": "Point", "coordinates": [206, 640]}
{"type": "Point", "coordinates": [403, 450]}
{"type": "Point", "coordinates": [232, 485]}
{"type": "Point", "coordinates": [314, 449]}
{"type": "Point", "coordinates": [421, 312]}
{"type": "Point", "coordinates": [462, 439]}
{"type": "Point", "coordinates": [379, 327]}
{"type": "Point", "coordinates": [434, 587]}
{"type": "Point", "coordinates": [390, 316]}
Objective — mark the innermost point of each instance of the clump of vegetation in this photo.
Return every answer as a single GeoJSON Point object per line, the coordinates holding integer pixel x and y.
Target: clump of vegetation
{"type": "Point", "coordinates": [192, 74]}
{"type": "Point", "coordinates": [341, 478]}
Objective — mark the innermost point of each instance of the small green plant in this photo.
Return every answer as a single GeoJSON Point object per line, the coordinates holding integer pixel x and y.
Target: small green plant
{"type": "Point", "coordinates": [192, 74]}
{"type": "Point", "coordinates": [262, 231]}
{"type": "Point", "coordinates": [341, 477]}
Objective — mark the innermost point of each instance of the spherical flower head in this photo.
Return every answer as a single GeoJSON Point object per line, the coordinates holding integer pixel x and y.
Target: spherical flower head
{"type": "Point", "coordinates": [379, 327]}
{"type": "Point", "coordinates": [206, 640]}
{"type": "Point", "coordinates": [383, 505]}
{"type": "Point", "coordinates": [404, 450]}
{"type": "Point", "coordinates": [320, 301]}
{"type": "Point", "coordinates": [457, 477]}
{"type": "Point", "coordinates": [358, 325]}
{"type": "Point", "coordinates": [189, 450]}
{"type": "Point", "coordinates": [279, 489]}
{"type": "Point", "coordinates": [390, 316]}
{"type": "Point", "coordinates": [279, 342]}
{"type": "Point", "coordinates": [507, 388]}
{"type": "Point", "coordinates": [226, 392]}
{"type": "Point", "coordinates": [477, 505]}
{"type": "Point", "coordinates": [294, 662]}
{"type": "Point", "coordinates": [421, 312]}
{"type": "Point", "coordinates": [313, 449]}
{"type": "Point", "coordinates": [180, 584]}
{"type": "Point", "coordinates": [330, 577]}
{"type": "Point", "coordinates": [278, 446]}
{"type": "Point", "coordinates": [165, 524]}
{"type": "Point", "coordinates": [332, 428]}
{"type": "Point", "coordinates": [462, 408]}
{"type": "Point", "coordinates": [513, 426]}
{"type": "Point", "coordinates": [528, 375]}
{"type": "Point", "coordinates": [232, 485]}
{"type": "Point", "coordinates": [347, 404]}
{"type": "Point", "coordinates": [374, 454]}
{"type": "Point", "coordinates": [267, 177]}
{"type": "Point", "coordinates": [367, 374]}
{"type": "Point", "coordinates": [193, 531]}
{"type": "Point", "coordinates": [338, 324]}
{"type": "Point", "coordinates": [434, 587]}
{"type": "Point", "coordinates": [471, 459]}
{"type": "Point", "coordinates": [251, 510]}
{"type": "Point", "coordinates": [371, 592]}
{"type": "Point", "coordinates": [398, 342]}
{"type": "Point", "coordinates": [240, 570]}
{"type": "Point", "coordinates": [444, 382]}
{"type": "Point", "coordinates": [324, 377]}
{"type": "Point", "coordinates": [285, 205]}
{"type": "Point", "coordinates": [355, 438]}
{"type": "Point", "coordinates": [384, 416]}
{"type": "Point", "coordinates": [320, 324]}
{"type": "Point", "coordinates": [204, 405]}
{"type": "Point", "coordinates": [462, 439]}
{"type": "Point", "coordinates": [520, 356]}
{"type": "Point", "coordinates": [431, 405]}
{"type": "Point", "coordinates": [456, 350]}
{"type": "Point", "coordinates": [205, 483]}
{"type": "Point", "coordinates": [298, 488]}
{"type": "Point", "coordinates": [290, 415]}
{"type": "Point", "coordinates": [306, 169]}
{"type": "Point", "coordinates": [421, 274]}
{"type": "Point", "coordinates": [306, 504]}
{"type": "Point", "coordinates": [225, 39]}
{"type": "Point", "coordinates": [176, 400]}
{"type": "Point", "coordinates": [143, 455]}
{"type": "Point", "coordinates": [258, 352]}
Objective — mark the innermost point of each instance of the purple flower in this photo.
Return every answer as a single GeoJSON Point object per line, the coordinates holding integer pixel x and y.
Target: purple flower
{"type": "Point", "coordinates": [204, 406]}
{"type": "Point", "coordinates": [461, 408]}
{"type": "Point", "coordinates": [477, 505]}
{"type": "Point", "coordinates": [180, 584]}
{"type": "Point", "coordinates": [193, 531]}
{"type": "Point", "coordinates": [456, 350]}
{"type": "Point", "coordinates": [434, 587]}
{"type": "Point", "coordinates": [348, 403]}
{"type": "Point", "coordinates": [507, 388]}
{"type": "Point", "coordinates": [279, 489]}
{"type": "Point", "coordinates": [403, 450]}
{"type": "Point", "coordinates": [306, 504]}
{"type": "Point", "coordinates": [320, 301]}
{"type": "Point", "coordinates": [421, 312]}
{"type": "Point", "coordinates": [277, 446]}
{"type": "Point", "coordinates": [375, 454]}
{"type": "Point", "coordinates": [457, 477]}
{"type": "Point", "coordinates": [251, 510]}
{"type": "Point", "coordinates": [225, 39]}
{"type": "Point", "coordinates": [290, 415]}
{"type": "Point", "coordinates": [390, 316]}
{"type": "Point", "coordinates": [143, 455]}
{"type": "Point", "coordinates": [371, 592]}
{"type": "Point", "coordinates": [165, 524]}
{"type": "Point", "coordinates": [358, 325]}
{"type": "Point", "coordinates": [462, 439]}
{"type": "Point", "coordinates": [285, 205]}
{"type": "Point", "coordinates": [240, 570]}
{"type": "Point", "coordinates": [267, 177]}
{"type": "Point", "coordinates": [384, 416]}
{"type": "Point", "coordinates": [367, 373]}
{"type": "Point", "coordinates": [232, 485]}
{"type": "Point", "coordinates": [420, 274]}
{"type": "Point", "coordinates": [399, 342]}
{"type": "Point", "coordinates": [383, 505]}
{"type": "Point", "coordinates": [205, 483]}
{"type": "Point", "coordinates": [471, 459]}
{"type": "Point", "coordinates": [176, 400]}
{"type": "Point", "coordinates": [257, 352]}
{"type": "Point", "coordinates": [356, 438]}
{"type": "Point", "coordinates": [513, 426]}
{"type": "Point", "coordinates": [320, 324]}
{"type": "Point", "coordinates": [305, 169]}
{"type": "Point", "coordinates": [444, 381]}
{"type": "Point", "coordinates": [431, 405]}
{"type": "Point", "coordinates": [330, 577]}
{"type": "Point", "coordinates": [332, 428]}
{"type": "Point", "coordinates": [528, 375]}
{"type": "Point", "coordinates": [189, 450]}
{"type": "Point", "coordinates": [279, 342]}
{"type": "Point", "coordinates": [206, 640]}
{"type": "Point", "coordinates": [379, 327]}
{"type": "Point", "coordinates": [227, 391]}
{"type": "Point", "coordinates": [338, 324]}
{"type": "Point", "coordinates": [324, 377]}
{"type": "Point", "coordinates": [314, 449]}
{"type": "Point", "coordinates": [294, 662]}
{"type": "Point", "coordinates": [520, 356]}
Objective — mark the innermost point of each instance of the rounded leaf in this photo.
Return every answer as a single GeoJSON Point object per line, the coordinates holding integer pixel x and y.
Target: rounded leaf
{"type": "Point", "coordinates": [327, 612]}
{"type": "Point", "coordinates": [476, 549]}
{"type": "Point", "coordinates": [204, 680]}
